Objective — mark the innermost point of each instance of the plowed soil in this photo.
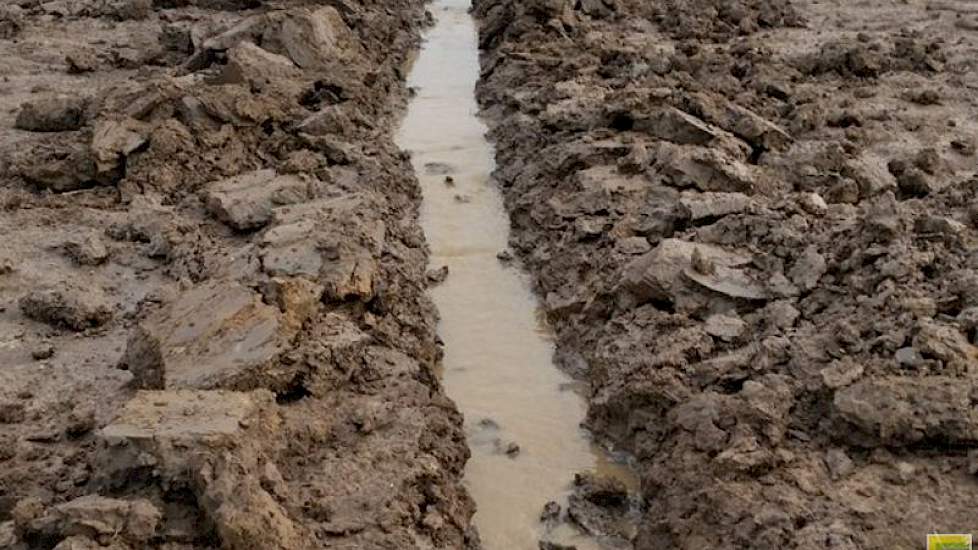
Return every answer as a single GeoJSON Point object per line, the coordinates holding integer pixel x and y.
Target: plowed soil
{"type": "Point", "coordinates": [754, 226]}
{"type": "Point", "coordinates": [214, 330]}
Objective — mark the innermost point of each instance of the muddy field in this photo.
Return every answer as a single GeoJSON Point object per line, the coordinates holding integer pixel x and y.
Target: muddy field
{"type": "Point", "coordinates": [214, 330]}
{"type": "Point", "coordinates": [753, 224]}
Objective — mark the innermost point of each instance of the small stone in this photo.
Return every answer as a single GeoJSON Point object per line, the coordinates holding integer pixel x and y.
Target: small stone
{"type": "Point", "coordinates": [504, 256]}
{"type": "Point", "coordinates": [814, 204]}
{"type": "Point", "coordinates": [81, 61]}
{"type": "Point", "coordinates": [964, 146]}
{"type": "Point", "coordinates": [841, 373]}
{"type": "Point", "coordinates": [44, 350]}
{"type": "Point", "coordinates": [725, 326]}
{"type": "Point", "coordinates": [589, 227]}
{"type": "Point", "coordinates": [907, 357]}
{"type": "Point", "coordinates": [550, 513]}
{"type": "Point", "coordinates": [437, 276]}
{"type": "Point", "coordinates": [903, 473]}
{"type": "Point", "coordinates": [701, 264]}
{"type": "Point", "coordinates": [512, 449]}
{"type": "Point", "coordinates": [944, 342]}
{"type": "Point", "coordinates": [782, 314]}
{"type": "Point", "coordinates": [838, 463]}
{"type": "Point", "coordinates": [86, 249]}
{"type": "Point", "coordinates": [449, 181]}
{"type": "Point", "coordinates": [711, 206]}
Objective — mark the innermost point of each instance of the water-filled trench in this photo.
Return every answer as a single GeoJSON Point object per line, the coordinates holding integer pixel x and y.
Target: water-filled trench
{"type": "Point", "coordinates": [498, 364]}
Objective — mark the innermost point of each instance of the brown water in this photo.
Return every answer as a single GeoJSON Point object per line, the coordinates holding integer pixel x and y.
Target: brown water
{"type": "Point", "coordinates": [498, 362]}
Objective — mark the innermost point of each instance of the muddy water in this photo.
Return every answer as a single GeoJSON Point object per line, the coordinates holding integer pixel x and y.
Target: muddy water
{"type": "Point", "coordinates": [498, 362]}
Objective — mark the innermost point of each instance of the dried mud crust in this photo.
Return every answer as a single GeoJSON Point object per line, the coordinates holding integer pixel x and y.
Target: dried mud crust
{"type": "Point", "coordinates": [754, 227]}
{"type": "Point", "coordinates": [214, 331]}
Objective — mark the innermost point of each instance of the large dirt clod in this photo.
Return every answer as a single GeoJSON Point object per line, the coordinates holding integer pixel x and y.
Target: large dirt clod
{"type": "Point", "coordinates": [55, 114]}
{"type": "Point", "coordinates": [67, 305]}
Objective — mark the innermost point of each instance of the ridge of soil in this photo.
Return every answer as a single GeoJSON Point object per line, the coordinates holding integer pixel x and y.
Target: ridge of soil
{"type": "Point", "coordinates": [214, 328]}
{"type": "Point", "coordinates": [753, 224]}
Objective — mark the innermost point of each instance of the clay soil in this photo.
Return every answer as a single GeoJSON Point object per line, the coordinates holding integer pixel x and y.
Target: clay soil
{"type": "Point", "coordinates": [214, 328]}
{"type": "Point", "coordinates": [753, 224]}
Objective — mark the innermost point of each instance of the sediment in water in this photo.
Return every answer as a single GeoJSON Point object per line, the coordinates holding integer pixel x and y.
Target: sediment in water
{"type": "Point", "coordinates": [522, 414]}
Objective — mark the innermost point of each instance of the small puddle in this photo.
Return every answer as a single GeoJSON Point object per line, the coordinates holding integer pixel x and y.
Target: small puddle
{"type": "Point", "coordinates": [498, 364]}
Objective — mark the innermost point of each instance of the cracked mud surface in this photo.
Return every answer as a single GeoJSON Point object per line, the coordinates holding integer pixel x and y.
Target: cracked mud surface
{"type": "Point", "coordinates": [753, 226]}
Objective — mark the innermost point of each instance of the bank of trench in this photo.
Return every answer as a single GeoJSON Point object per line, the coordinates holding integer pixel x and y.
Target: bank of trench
{"type": "Point", "coordinates": [214, 327]}
{"type": "Point", "coordinates": [753, 226]}
{"type": "Point", "coordinates": [522, 414]}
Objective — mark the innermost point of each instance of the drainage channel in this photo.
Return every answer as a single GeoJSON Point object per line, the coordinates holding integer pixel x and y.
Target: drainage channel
{"type": "Point", "coordinates": [498, 364]}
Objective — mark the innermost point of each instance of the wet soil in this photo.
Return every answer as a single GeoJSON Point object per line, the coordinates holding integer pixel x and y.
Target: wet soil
{"type": "Point", "coordinates": [523, 415]}
{"type": "Point", "coordinates": [753, 228]}
{"type": "Point", "coordinates": [214, 326]}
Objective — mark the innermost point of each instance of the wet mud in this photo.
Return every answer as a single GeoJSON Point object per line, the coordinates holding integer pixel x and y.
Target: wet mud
{"type": "Point", "coordinates": [753, 228]}
{"type": "Point", "coordinates": [523, 415]}
{"type": "Point", "coordinates": [214, 326]}
{"type": "Point", "coordinates": [750, 226]}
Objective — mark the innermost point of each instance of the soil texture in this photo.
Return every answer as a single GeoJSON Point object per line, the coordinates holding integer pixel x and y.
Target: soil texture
{"type": "Point", "coordinates": [214, 327]}
{"type": "Point", "coordinates": [753, 225]}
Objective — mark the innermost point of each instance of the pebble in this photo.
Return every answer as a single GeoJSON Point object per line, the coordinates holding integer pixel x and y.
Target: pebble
{"type": "Point", "coordinates": [44, 350]}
